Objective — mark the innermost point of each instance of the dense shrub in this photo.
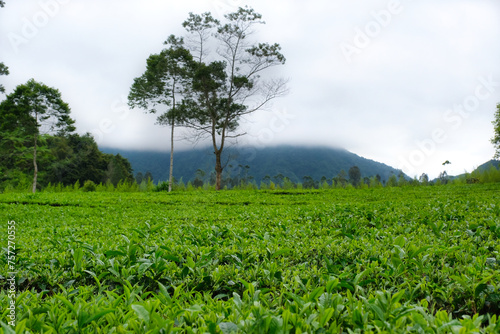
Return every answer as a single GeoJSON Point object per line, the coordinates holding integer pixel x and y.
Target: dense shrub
{"type": "Point", "coordinates": [89, 186]}
{"type": "Point", "coordinates": [162, 186]}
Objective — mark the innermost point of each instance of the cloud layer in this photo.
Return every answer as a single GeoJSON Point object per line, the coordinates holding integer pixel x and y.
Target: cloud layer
{"type": "Point", "coordinates": [407, 83]}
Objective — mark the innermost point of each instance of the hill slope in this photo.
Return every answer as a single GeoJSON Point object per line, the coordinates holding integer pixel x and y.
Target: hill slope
{"type": "Point", "coordinates": [487, 165]}
{"type": "Point", "coordinates": [290, 161]}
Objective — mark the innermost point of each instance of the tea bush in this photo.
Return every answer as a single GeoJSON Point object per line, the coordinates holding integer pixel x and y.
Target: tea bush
{"type": "Point", "coordinates": [89, 186]}
{"type": "Point", "coordinates": [378, 260]}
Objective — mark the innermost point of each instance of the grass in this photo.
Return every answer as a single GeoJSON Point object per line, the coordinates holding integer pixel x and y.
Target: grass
{"type": "Point", "coordinates": [389, 260]}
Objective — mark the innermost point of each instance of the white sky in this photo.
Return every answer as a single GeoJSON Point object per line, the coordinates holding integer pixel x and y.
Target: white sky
{"type": "Point", "coordinates": [407, 83]}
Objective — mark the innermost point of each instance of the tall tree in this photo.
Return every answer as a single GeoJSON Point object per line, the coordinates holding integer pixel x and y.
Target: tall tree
{"type": "Point", "coordinates": [230, 86]}
{"type": "Point", "coordinates": [496, 139]}
{"type": "Point", "coordinates": [119, 169]}
{"type": "Point", "coordinates": [341, 178]}
{"type": "Point", "coordinates": [354, 175]}
{"type": "Point", "coordinates": [308, 182]}
{"type": "Point", "coordinates": [148, 176]}
{"type": "Point", "coordinates": [164, 83]}
{"type": "Point", "coordinates": [34, 109]}
{"type": "Point", "coordinates": [424, 179]}
{"type": "Point", "coordinates": [75, 157]}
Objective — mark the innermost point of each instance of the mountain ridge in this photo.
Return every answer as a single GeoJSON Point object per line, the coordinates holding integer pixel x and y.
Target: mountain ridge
{"type": "Point", "coordinates": [293, 162]}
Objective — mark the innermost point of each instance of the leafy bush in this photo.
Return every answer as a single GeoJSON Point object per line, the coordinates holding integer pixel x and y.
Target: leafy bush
{"type": "Point", "coordinates": [179, 186]}
{"type": "Point", "coordinates": [385, 260]}
{"type": "Point", "coordinates": [127, 186]}
{"type": "Point", "coordinates": [16, 182]}
{"type": "Point", "coordinates": [89, 186]}
{"type": "Point", "coordinates": [161, 186]}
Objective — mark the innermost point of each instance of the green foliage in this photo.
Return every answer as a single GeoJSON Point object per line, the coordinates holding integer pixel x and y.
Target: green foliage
{"type": "Point", "coordinates": [161, 186]}
{"type": "Point", "coordinates": [32, 110]}
{"type": "Point", "coordinates": [89, 186]}
{"type": "Point", "coordinates": [213, 88]}
{"type": "Point", "coordinates": [486, 173]}
{"type": "Point", "coordinates": [75, 157]}
{"type": "Point", "coordinates": [165, 78]}
{"type": "Point", "coordinates": [293, 161]}
{"type": "Point", "coordinates": [127, 186]}
{"type": "Point", "coordinates": [402, 180]}
{"type": "Point", "coordinates": [165, 83]}
{"type": "Point", "coordinates": [393, 260]}
{"type": "Point", "coordinates": [308, 182]}
{"type": "Point", "coordinates": [16, 181]}
{"type": "Point", "coordinates": [179, 186]}
{"type": "Point", "coordinates": [119, 170]}
{"type": "Point", "coordinates": [341, 179]}
{"type": "Point", "coordinates": [491, 175]}
{"type": "Point", "coordinates": [354, 175]}
{"type": "Point", "coordinates": [392, 181]}
{"type": "Point", "coordinates": [287, 184]}
{"type": "Point", "coordinates": [424, 179]}
{"type": "Point", "coordinates": [4, 70]}
{"type": "Point", "coordinates": [62, 157]}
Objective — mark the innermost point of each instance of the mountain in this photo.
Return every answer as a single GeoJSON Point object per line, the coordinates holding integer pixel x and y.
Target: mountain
{"type": "Point", "coordinates": [293, 162]}
{"type": "Point", "coordinates": [487, 165]}
{"type": "Point", "coordinates": [478, 171]}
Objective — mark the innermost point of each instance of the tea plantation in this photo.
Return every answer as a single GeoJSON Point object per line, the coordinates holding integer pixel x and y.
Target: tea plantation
{"type": "Point", "coordinates": [388, 260]}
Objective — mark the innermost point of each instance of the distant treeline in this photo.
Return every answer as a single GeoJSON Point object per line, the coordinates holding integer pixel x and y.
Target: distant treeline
{"type": "Point", "coordinates": [39, 146]}
{"type": "Point", "coordinates": [63, 160]}
{"type": "Point", "coordinates": [489, 173]}
{"type": "Point", "coordinates": [144, 183]}
{"type": "Point", "coordinates": [259, 164]}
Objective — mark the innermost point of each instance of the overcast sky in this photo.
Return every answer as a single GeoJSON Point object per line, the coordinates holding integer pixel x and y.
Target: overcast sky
{"type": "Point", "coordinates": [407, 83]}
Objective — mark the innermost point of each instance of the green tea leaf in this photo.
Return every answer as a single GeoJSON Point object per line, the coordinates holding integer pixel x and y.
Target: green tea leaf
{"type": "Point", "coordinates": [281, 252]}
{"type": "Point", "coordinates": [228, 327]}
{"type": "Point", "coordinates": [141, 312]}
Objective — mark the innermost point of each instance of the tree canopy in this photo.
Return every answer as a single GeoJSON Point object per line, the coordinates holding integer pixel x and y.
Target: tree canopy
{"type": "Point", "coordinates": [37, 137]}
{"type": "Point", "coordinates": [4, 70]}
{"type": "Point", "coordinates": [34, 109]}
{"type": "Point", "coordinates": [354, 175]}
{"type": "Point", "coordinates": [213, 79]}
{"type": "Point", "coordinates": [164, 84]}
{"type": "Point", "coordinates": [230, 85]}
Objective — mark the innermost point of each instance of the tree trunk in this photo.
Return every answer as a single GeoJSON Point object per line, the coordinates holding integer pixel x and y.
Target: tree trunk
{"type": "Point", "coordinates": [35, 176]}
{"type": "Point", "coordinates": [171, 176]}
{"type": "Point", "coordinates": [218, 155]}
{"type": "Point", "coordinates": [218, 169]}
